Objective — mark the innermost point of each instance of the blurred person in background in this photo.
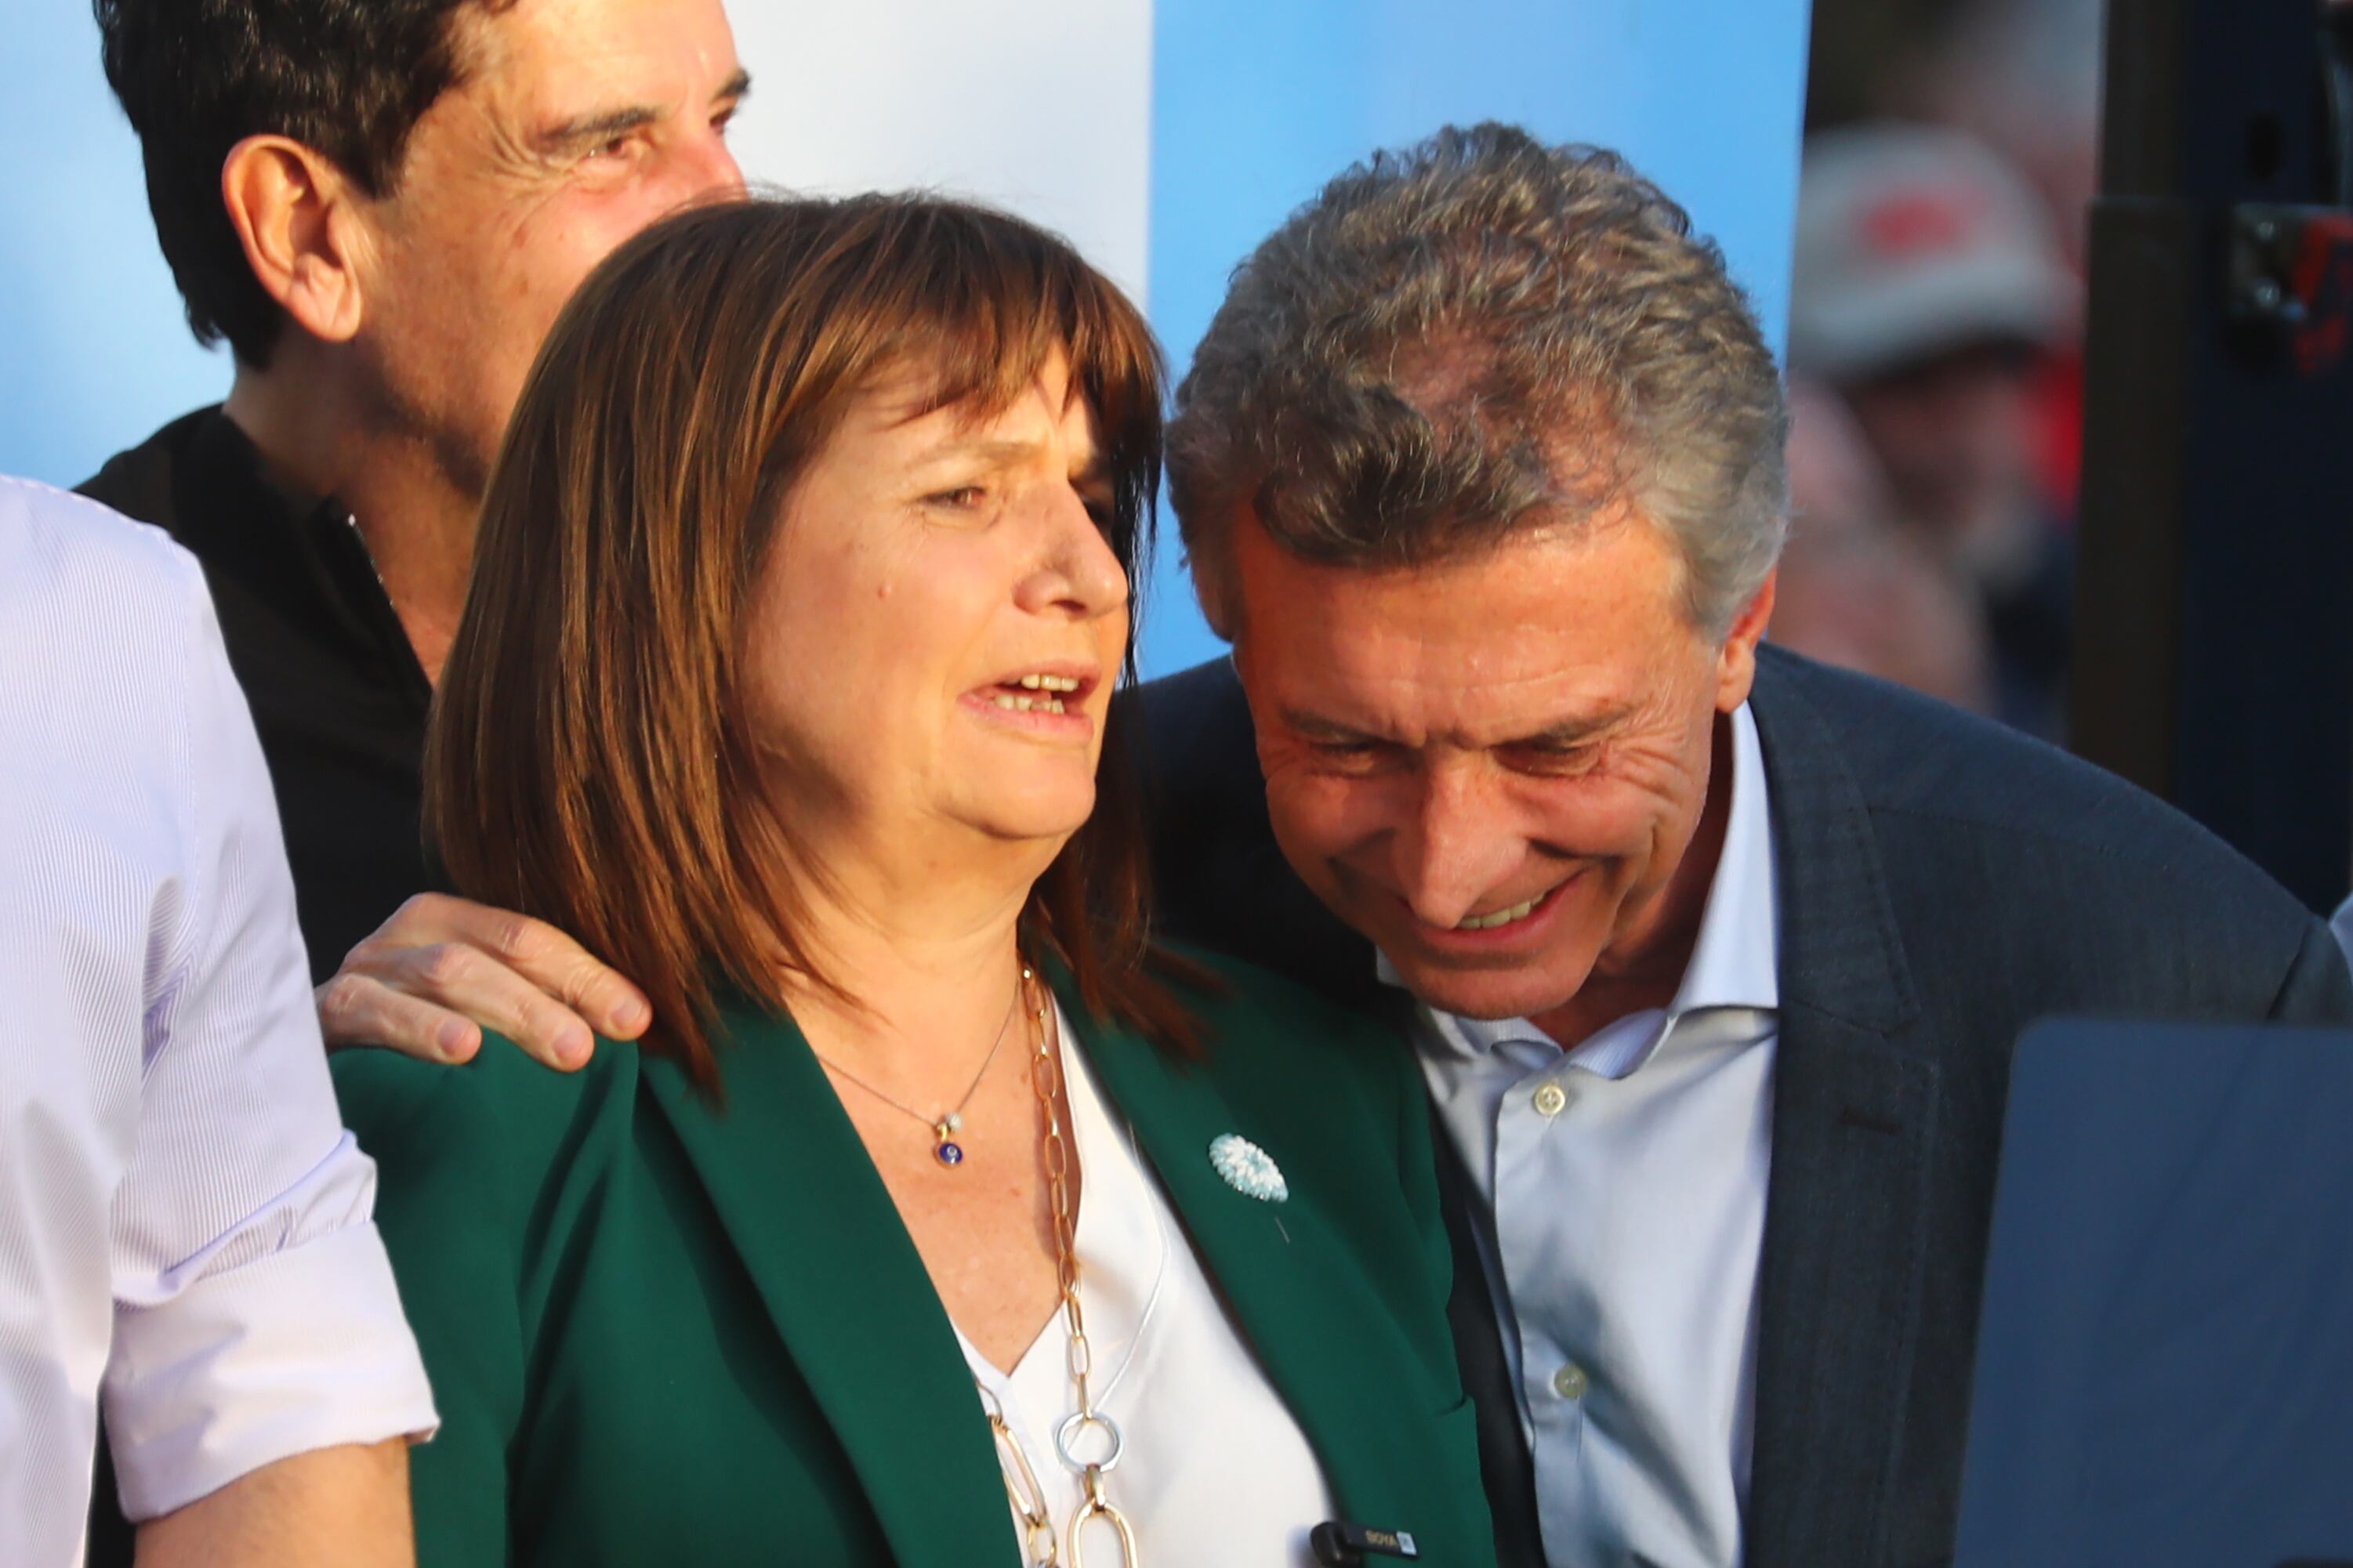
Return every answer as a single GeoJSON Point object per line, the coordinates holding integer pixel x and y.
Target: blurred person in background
{"type": "Point", "coordinates": [1856, 589]}
{"type": "Point", "coordinates": [380, 209]}
{"type": "Point", "coordinates": [1928, 289]}
{"type": "Point", "coordinates": [2023, 78]}
{"type": "Point", "coordinates": [185, 1223]}
{"type": "Point", "coordinates": [2020, 75]}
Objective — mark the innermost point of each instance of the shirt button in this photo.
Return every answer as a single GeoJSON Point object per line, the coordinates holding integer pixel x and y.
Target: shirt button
{"type": "Point", "coordinates": [1551, 1100]}
{"type": "Point", "coordinates": [1570, 1382]}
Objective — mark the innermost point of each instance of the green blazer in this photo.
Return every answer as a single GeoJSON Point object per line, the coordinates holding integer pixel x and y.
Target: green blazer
{"type": "Point", "coordinates": [661, 1330]}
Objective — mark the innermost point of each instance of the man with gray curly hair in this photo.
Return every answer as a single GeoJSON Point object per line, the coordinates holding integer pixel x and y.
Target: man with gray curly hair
{"type": "Point", "coordinates": [1389, 378]}
{"type": "Point", "coordinates": [1714, 957]}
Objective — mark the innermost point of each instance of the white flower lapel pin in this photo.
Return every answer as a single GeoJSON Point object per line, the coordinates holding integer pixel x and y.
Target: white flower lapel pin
{"type": "Point", "coordinates": [1248, 1169]}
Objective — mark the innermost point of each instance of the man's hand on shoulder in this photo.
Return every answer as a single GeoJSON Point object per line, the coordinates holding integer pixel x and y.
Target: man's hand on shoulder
{"type": "Point", "coordinates": [345, 1506]}
{"type": "Point", "coordinates": [441, 970]}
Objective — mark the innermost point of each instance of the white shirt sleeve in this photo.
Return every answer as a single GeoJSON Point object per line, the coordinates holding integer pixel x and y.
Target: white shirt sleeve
{"type": "Point", "coordinates": [255, 1312]}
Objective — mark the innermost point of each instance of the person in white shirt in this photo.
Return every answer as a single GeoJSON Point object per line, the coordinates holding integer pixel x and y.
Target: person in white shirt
{"type": "Point", "coordinates": [184, 1230]}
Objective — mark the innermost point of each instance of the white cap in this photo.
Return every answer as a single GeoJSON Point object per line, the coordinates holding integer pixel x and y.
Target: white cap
{"type": "Point", "coordinates": [1913, 240]}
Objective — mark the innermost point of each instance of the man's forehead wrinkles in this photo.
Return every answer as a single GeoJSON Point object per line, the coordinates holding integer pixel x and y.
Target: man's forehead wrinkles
{"type": "Point", "coordinates": [1405, 707]}
{"type": "Point", "coordinates": [549, 70]}
{"type": "Point", "coordinates": [1475, 674]}
{"type": "Point", "coordinates": [1440, 672]}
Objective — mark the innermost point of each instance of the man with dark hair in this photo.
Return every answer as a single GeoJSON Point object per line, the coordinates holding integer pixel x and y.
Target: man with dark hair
{"type": "Point", "coordinates": [380, 205]}
{"type": "Point", "coordinates": [1713, 958]}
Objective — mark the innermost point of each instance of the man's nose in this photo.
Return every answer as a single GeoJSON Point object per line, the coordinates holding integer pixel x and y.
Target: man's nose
{"type": "Point", "coordinates": [1457, 847]}
{"type": "Point", "coordinates": [712, 170]}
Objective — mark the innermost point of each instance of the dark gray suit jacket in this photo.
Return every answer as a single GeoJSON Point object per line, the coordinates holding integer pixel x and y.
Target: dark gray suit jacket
{"type": "Point", "coordinates": [1943, 883]}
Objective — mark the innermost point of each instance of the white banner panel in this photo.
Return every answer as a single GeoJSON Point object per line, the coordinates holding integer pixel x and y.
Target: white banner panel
{"type": "Point", "coordinates": [1042, 106]}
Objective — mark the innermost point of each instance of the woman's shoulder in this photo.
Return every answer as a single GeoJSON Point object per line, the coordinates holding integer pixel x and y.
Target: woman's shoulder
{"type": "Point", "coordinates": [500, 1110]}
{"type": "Point", "coordinates": [1255, 1021]}
{"type": "Point", "coordinates": [1235, 991]}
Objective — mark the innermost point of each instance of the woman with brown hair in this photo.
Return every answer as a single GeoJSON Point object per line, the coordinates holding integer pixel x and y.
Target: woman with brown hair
{"type": "Point", "coordinates": [801, 593]}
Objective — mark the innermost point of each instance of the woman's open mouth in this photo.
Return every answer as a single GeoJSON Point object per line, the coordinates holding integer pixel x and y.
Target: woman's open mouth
{"type": "Point", "coordinates": [1037, 693]}
{"type": "Point", "coordinates": [1051, 701]}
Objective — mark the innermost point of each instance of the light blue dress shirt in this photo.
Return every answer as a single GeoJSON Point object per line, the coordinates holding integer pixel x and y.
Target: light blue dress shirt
{"type": "Point", "coordinates": [1627, 1176]}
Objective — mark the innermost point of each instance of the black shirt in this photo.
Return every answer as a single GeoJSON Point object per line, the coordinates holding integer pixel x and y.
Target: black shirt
{"type": "Point", "coordinates": [336, 692]}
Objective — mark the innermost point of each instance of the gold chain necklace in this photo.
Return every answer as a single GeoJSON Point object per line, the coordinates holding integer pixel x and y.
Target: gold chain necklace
{"type": "Point", "coordinates": [1021, 1481]}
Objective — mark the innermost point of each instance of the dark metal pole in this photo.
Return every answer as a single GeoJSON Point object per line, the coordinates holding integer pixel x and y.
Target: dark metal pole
{"type": "Point", "coordinates": [2214, 659]}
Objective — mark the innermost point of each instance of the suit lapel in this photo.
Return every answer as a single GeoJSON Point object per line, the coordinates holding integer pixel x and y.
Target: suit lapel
{"type": "Point", "coordinates": [841, 1280]}
{"type": "Point", "coordinates": [1854, 1126]}
{"type": "Point", "coordinates": [1838, 1291]}
{"type": "Point", "coordinates": [1296, 1292]}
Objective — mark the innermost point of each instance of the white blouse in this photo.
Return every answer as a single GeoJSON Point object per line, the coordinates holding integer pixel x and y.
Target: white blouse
{"type": "Point", "coordinates": [1214, 1470]}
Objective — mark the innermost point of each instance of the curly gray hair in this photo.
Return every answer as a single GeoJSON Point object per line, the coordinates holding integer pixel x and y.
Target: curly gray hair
{"type": "Point", "coordinates": [1471, 337]}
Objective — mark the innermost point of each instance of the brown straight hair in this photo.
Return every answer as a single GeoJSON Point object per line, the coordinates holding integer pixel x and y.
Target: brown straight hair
{"type": "Point", "coordinates": [587, 761]}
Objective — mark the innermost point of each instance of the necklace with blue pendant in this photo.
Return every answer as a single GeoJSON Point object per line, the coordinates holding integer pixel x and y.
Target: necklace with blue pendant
{"type": "Point", "coordinates": [944, 1126]}
{"type": "Point", "coordinates": [946, 1149]}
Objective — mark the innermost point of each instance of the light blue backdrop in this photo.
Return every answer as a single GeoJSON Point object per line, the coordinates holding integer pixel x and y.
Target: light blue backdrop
{"type": "Point", "coordinates": [1258, 101]}
{"type": "Point", "coordinates": [94, 353]}
{"type": "Point", "coordinates": [1254, 104]}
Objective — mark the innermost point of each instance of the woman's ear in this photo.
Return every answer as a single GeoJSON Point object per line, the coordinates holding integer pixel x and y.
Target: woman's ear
{"type": "Point", "coordinates": [294, 214]}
